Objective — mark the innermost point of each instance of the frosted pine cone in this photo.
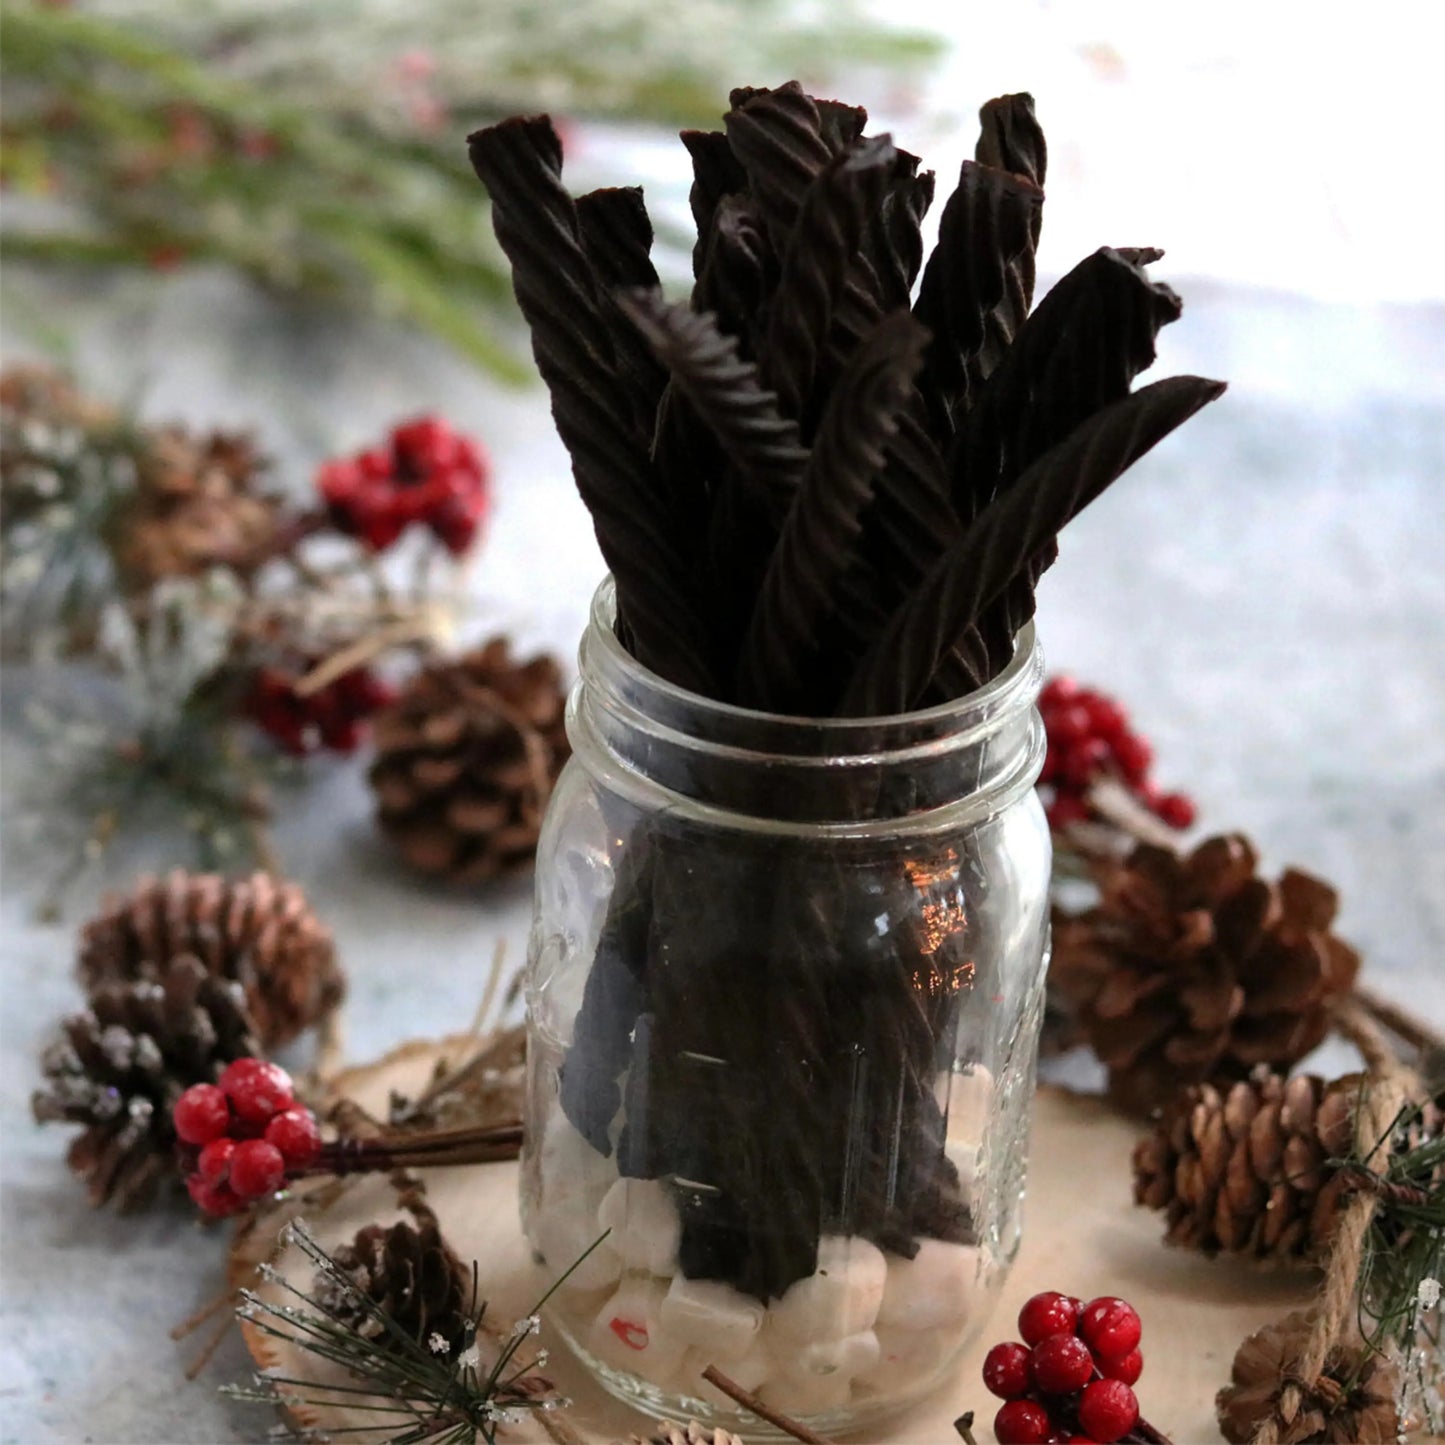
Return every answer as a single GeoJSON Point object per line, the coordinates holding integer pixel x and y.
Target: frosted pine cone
{"type": "Point", "coordinates": [259, 931]}
{"type": "Point", "coordinates": [410, 1272]}
{"type": "Point", "coordinates": [119, 1067]}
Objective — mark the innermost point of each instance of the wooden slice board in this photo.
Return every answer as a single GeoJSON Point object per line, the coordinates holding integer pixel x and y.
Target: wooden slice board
{"type": "Point", "coordinates": [1082, 1234]}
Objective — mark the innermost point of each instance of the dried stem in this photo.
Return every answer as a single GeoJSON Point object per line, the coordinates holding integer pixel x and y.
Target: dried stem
{"type": "Point", "coordinates": [793, 1428]}
{"type": "Point", "coordinates": [488, 1144]}
{"type": "Point", "coordinates": [964, 1426]}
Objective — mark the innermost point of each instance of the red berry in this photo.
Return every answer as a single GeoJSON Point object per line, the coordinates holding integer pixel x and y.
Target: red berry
{"type": "Point", "coordinates": [1127, 1368]}
{"type": "Point", "coordinates": [1069, 725]}
{"type": "Point", "coordinates": [1059, 690]}
{"type": "Point", "coordinates": [257, 1089]}
{"type": "Point", "coordinates": [257, 1168]}
{"type": "Point", "coordinates": [1061, 1364]}
{"type": "Point", "coordinates": [1085, 760]}
{"type": "Point", "coordinates": [1006, 1371]}
{"type": "Point", "coordinates": [1176, 809]}
{"type": "Point", "coordinates": [1110, 1327]}
{"type": "Point", "coordinates": [213, 1199]}
{"type": "Point", "coordinates": [1133, 755]}
{"type": "Point", "coordinates": [1106, 717]}
{"type": "Point", "coordinates": [1050, 1313]}
{"type": "Point", "coordinates": [214, 1163]}
{"type": "Point", "coordinates": [201, 1114]}
{"type": "Point", "coordinates": [1022, 1422]}
{"type": "Point", "coordinates": [1108, 1410]}
{"type": "Point", "coordinates": [296, 1135]}
{"type": "Point", "coordinates": [423, 444]}
{"type": "Point", "coordinates": [1067, 808]}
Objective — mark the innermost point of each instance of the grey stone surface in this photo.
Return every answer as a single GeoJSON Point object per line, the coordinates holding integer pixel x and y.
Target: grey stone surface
{"type": "Point", "coordinates": [1265, 593]}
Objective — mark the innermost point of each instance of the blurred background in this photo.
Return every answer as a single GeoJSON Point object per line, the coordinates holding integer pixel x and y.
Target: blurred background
{"type": "Point", "coordinates": [257, 216]}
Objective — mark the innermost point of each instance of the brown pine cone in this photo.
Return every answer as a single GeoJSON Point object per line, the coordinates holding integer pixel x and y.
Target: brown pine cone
{"type": "Point", "coordinates": [466, 759]}
{"type": "Point", "coordinates": [259, 931]}
{"type": "Point", "coordinates": [1193, 968]}
{"type": "Point", "coordinates": [120, 1066]}
{"type": "Point", "coordinates": [197, 504]}
{"type": "Point", "coordinates": [691, 1434]}
{"type": "Point", "coordinates": [1352, 1402]}
{"type": "Point", "coordinates": [410, 1272]}
{"type": "Point", "coordinates": [1243, 1169]}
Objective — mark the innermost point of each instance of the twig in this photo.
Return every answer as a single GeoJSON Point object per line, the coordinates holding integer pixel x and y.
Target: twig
{"type": "Point", "coordinates": [1112, 801]}
{"type": "Point", "coordinates": [208, 1350]}
{"type": "Point", "coordinates": [190, 1325]}
{"type": "Point", "coordinates": [794, 1428]}
{"type": "Point", "coordinates": [421, 628]}
{"type": "Point", "coordinates": [1400, 1022]}
{"type": "Point", "coordinates": [964, 1426]}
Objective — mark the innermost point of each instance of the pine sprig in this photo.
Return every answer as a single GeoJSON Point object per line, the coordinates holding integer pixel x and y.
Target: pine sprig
{"type": "Point", "coordinates": [324, 162]}
{"type": "Point", "coordinates": [415, 1389]}
{"type": "Point", "coordinates": [1405, 1248]}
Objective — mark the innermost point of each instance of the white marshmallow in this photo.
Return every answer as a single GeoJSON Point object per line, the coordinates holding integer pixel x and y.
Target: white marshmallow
{"type": "Point", "coordinates": [749, 1371]}
{"type": "Point", "coordinates": [644, 1222]}
{"type": "Point", "coordinates": [562, 1235]}
{"type": "Point", "coordinates": [936, 1289]}
{"type": "Point", "coordinates": [840, 1298]}
{"type": "Point", "coordinates": [719, 1320]}
{"type": "Point", "coordinates": [852, 1355]}
{"type": "Point", "coordinates": [628, 1334]}
{"type": "Point", "coordinates": [906, 1359]}
{"type": "Point", "coordinates": [570, 1167]}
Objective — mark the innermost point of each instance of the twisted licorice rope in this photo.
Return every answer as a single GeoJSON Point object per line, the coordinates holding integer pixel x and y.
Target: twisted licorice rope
{"type": "Point", "coordinates": [1389, 1085]}
{"type": "Point", "coordinates": [1079, 351]}
{"type": "Point", "coordinates": [1090, 337]}
{"type": "Point", "coordinates": [826, 237]}
{"type": "Point", "coordinates": [1009, 533]}
{"type": "Point", "coordinates": [727, 395]}
{"type": "Point", "coordinates": [716, 173]}
{"type": "Point", "coordinates": [818, 539]}
{"type": "Point", "coordinates": [985, 227]}
{"type": "Point", "coordinates": [1012, 140]}
{"type": "Point", "coordinates": [895, 237]}
{"type": "Point", "coordinates": [519, 161]}
{"type": "Point", "coordinates": [778, 137]}
{"type": "Point", "coordinates": [617, 237]}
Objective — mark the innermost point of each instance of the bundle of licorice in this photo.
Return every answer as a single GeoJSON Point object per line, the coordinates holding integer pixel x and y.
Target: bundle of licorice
{"type": "Point", "coordinates": [814, 496]}
{"type": "Point", "coordinates": [825, 486]}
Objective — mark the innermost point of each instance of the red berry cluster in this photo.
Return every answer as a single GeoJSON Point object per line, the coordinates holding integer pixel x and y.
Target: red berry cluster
{"type": "Point", "coordinates": [1089, 739]}
{"type": "Point", "coordinates": [331, 717]}
{"type": "Point", "coordinates": [425, 473]}
{"type": "Point", "coordinates": [1071, 1379]}
{"type": "Point", "coordinates": [243, 1135]}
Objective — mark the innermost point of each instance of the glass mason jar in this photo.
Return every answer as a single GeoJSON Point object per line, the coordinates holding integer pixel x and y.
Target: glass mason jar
{"type": "Point", "coordinates": [784, 991]}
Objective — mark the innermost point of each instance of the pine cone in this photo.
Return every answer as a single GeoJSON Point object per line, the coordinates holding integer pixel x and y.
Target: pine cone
{"type": "Point", "coordinates": [197, 505]}
{"type": "Point", "coordinates": [259, 931]}
{"type": "Point", "coordinates": [1244, 1170]}
{"type": "Point", "coordinates": [1352, 1401]}
{"type": "Point", "coordinates": [410, 1272]}
{"type": "Point", "coordinates": [120, 1066]}
{"type": "Point", "coordinates": [1192, 968]}
{"type": "Point", "coordinates": [692, 1434]}
{"type": "Point", "coordinates": [466, 759]}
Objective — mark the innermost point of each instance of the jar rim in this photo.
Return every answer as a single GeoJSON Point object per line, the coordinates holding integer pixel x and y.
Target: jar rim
{"type": "Point", "coordinates": [1020, 676]}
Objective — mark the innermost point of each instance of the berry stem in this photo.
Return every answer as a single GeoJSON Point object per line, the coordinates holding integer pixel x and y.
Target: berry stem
{"type": "Point", "coordinates": [964, 1426]}
{"type": "Point", "coordinates": [477, 1145]}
